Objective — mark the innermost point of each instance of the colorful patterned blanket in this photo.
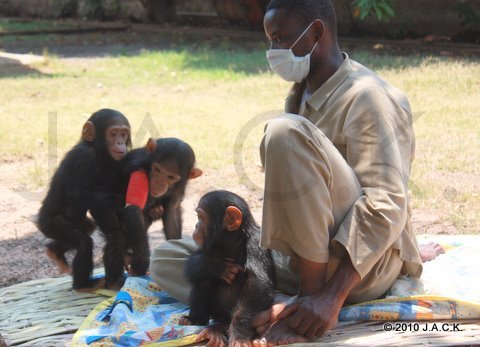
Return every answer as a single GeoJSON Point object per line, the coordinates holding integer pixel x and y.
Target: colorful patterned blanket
{"type": "Point", "coordinates": [141, 314]}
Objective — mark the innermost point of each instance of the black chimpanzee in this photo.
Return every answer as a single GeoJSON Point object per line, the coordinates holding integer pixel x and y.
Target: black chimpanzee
{"type": "Point", "coordinates": [86, 181]}
{"type": "Point", "coordinates": [232, 277]}
{"type": "Point", "coordinates": [158, 175]}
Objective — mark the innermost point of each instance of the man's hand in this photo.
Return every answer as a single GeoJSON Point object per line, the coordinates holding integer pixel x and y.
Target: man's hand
{"type": "Point", "coordinates": [311, 316]}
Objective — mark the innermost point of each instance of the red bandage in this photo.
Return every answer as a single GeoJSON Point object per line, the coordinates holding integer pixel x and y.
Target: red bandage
{"type": "Point", "coordinates": [137, 191]}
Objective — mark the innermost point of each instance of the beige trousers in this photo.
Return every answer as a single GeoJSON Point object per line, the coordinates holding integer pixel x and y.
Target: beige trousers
{"type": "Point", "coordinates": [168, 262]}
{"type": "Point", "coordinates": [309, 190]}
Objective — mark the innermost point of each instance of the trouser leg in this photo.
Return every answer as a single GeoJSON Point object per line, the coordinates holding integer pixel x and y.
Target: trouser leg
{"type": "Point", "coordinates": [168, 262]}
{"type": "Point", "coordinates": [309, 190]}
{"type": "Point", "coordinates": [167, 265]}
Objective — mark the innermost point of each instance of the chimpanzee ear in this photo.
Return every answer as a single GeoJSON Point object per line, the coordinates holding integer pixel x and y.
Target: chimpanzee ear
{"type": "Point", "coordinates": [151, 145]}
{"type": "Point", "coordinates": [88, 132]}
{"type": "Point", "coordinates": [233, 218]}
{"type": "Point", "coordinates": [194, 173]}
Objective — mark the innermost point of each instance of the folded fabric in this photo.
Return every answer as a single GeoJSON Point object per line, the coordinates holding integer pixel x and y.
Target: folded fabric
{"type": "Point", "coordinates": [141, 314]}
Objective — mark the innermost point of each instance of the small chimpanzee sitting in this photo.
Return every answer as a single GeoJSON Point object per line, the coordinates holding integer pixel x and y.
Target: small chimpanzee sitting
{"type": "Point", "coordinates": [157, 178]}
{"type": "Point", "coordinates": [86, 181]}
{"type": "Point", "coordinates": [232, 278]}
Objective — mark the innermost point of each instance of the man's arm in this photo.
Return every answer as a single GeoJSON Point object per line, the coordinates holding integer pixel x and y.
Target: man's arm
{"type": "Point", "coordinates": [315, 313]}
{"type": "Point", "coordinates": [380, 139]}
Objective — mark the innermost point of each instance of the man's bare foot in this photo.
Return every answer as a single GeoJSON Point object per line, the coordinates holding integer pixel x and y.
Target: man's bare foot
{"type": "Point", "coordinates": [266, 318]}
{"type": "Point", "coordinates": [61, 264]}
{"type": "Point", "coordinates": [214, 335]}
{"type": "Point", "coordinates": [279, 333]}
{"type": "Point", "coordinates": [429, 251]}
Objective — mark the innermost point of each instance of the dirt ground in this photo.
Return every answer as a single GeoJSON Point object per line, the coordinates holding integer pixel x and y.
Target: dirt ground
{"type": "Point", "coordinates": [22, 256]}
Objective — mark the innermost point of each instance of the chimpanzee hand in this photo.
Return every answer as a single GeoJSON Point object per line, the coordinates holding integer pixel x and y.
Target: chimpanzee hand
{"type": "Point", "coordinates": [230, 271]}
{"type": "Point", "coordinates": [156, 212]}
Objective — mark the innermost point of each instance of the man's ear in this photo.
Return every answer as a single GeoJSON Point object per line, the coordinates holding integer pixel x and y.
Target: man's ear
{"type": "Point", "coordinates": [319, 29]}
{"type": "Point", "coordinates": [233, 218]}
{"type": "Point", "coordinates": [151, 145]}
{"type": "Point", "coordinates": [88, 132]}
{"type": "Point", "coordinates": [194, 173]}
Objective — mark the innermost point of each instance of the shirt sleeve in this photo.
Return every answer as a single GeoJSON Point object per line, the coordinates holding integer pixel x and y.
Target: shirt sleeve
{"type": "Point", "coordinates": [379, 147]}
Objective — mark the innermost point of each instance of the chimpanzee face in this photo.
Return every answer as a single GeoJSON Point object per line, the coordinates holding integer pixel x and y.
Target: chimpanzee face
{"type": "Point", "coordinates": [116, 138]}
{"type": "Point", "coordinates": [162, 178]}
{"type": "Point", "coordinates": [200, 233]}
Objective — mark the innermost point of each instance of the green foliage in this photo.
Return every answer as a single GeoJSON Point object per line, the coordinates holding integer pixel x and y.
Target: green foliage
{"type": "Point", "coordinates": [469, 16]}
{"type": "Point", "coordinates": [382, 9]}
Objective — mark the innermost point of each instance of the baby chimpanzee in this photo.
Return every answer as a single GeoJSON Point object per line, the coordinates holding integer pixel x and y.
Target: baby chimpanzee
{"type": "Point", "coordinates": [232, 277]}
{"type": "Point", "coordinates": [157, 178]}
{"type": "Point", "coordinates": [86, 180]}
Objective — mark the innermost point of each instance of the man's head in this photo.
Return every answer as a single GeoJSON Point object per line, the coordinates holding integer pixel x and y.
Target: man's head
{"type": "Point", "coordinates": [306, 11]}
{"type": "Point", "coordinates": [305, 26]}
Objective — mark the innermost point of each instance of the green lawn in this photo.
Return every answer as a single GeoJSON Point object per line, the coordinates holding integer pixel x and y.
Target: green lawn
{"type": "Point", "coordinates": [207, 95]}
{"type": "Point", "coordinates": [8, 25]}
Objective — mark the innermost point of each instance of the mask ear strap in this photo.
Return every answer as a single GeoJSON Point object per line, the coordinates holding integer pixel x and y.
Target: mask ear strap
{"type": "Point", "coordinates": [301, 35]}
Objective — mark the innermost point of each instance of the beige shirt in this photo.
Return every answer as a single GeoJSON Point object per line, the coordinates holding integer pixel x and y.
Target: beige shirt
{"type": "Point", "coordinates": [369, 121]}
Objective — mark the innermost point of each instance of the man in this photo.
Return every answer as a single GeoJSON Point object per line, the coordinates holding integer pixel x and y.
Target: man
{"type": "Point", "coordinates": [336, 176]}
{"type": "Point", "coordinates": [336, 165]}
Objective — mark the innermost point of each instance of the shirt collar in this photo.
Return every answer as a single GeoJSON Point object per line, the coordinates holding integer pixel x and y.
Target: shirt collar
{"type": "Point", "coordinates": [318, 98]}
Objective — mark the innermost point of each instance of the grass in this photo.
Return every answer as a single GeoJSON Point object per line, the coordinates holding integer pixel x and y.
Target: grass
{"type": "Point", "coordinates": [9, 25]}
{"type": "Point", "coordinates": [207, 95]}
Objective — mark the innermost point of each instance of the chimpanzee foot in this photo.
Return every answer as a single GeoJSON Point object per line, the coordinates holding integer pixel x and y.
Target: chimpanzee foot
{"type": "Point", "coordinates": [279, 333]}
{"type": "Point", "coordinates": [62, 265]}
{"type": "Point", "coordinates": [184, 321]}
{"type": "Point", "coordinates": [117, 285]}
{"type": "Point", "coordinates": [94, 285]}
{"type": "Point", "coordinates": [215, 337]}
{"type": "Point", "coordinates": [240, 343]}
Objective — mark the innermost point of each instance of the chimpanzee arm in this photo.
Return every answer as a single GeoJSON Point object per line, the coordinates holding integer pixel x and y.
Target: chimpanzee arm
{"type": "Point", "coordinates": [172, 219]}
{"type": "Point", "coordinates": [201, 268]}
{"type": "Point", "coordinates": [137, 238]}
{"type": "Point", "coordinates": [256, 295]}
{"type": "Point", "coordinates": [79, 171]}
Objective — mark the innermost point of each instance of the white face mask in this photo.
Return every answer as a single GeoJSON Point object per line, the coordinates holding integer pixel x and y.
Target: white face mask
{"type": "Point", "coordinates": [288, 66]}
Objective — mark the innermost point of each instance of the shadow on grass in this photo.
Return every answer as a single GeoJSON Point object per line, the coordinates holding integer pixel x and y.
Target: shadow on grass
{"type": "Point", "coordinates": [202, 50]}
{"type": "Point", "coordinates": [10, 67]}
